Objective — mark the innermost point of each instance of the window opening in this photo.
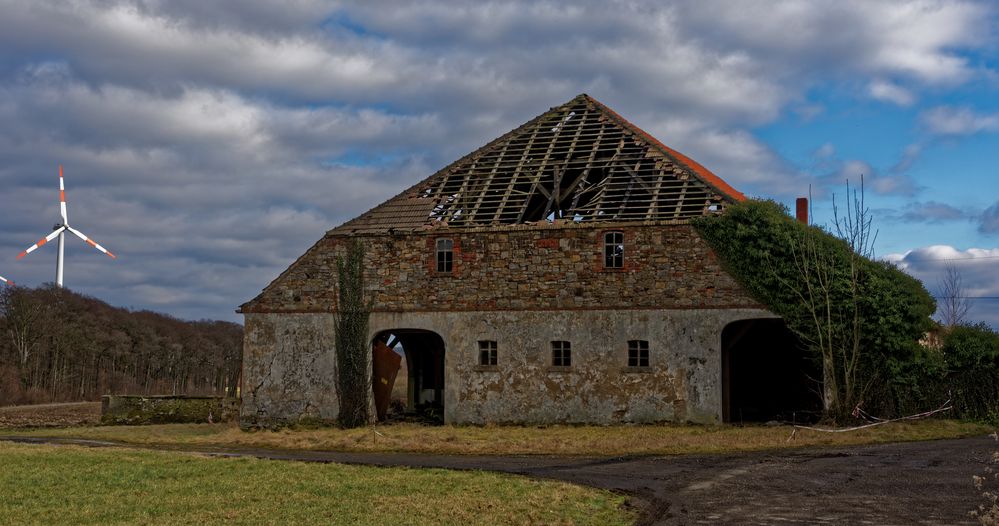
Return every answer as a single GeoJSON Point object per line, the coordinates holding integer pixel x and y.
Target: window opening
{"type": "Point", "coordinates": [638, 353]}
{"type": "Point", "coordinates": [614, 250]}
{"type": "Point", "coordinates": [487, 352]}
{"type": "Point", "coordinates": [561, 354]}
{"type": "Point", "coordinates": [445, 255]}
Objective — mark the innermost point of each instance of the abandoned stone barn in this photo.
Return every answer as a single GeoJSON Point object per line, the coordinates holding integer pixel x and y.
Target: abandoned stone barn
{"type": "Point", "coordinates": [550, 276]}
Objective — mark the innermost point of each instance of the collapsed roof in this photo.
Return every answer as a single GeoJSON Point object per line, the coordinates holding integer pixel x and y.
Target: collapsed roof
{"type": "Point", "coordinates": [579, 162]}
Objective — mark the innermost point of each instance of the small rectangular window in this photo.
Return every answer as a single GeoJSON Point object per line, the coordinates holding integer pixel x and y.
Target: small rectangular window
{"type": "Point", "coordinates": [561, 354]}
{"type": "Point", "coordinates": [638, 353]}
{"type": "Point", "coordinates": [487, 352]}
{"type": "Point", "coordinates": [445, 255]}
{"type": "Point", "coordinates": [614, 250]}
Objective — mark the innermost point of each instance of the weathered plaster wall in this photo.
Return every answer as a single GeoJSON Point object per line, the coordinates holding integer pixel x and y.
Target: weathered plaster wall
{"type": "Point", "coordinates": [683, 382]}
{"type": "Point", "coordinates": [524, 267]}
{"type": "Point", "coordinates": [288, 369]}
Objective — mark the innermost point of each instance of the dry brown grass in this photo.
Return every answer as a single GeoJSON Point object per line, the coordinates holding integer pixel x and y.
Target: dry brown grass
{"type": "Point", "coordinates": [521, 440]}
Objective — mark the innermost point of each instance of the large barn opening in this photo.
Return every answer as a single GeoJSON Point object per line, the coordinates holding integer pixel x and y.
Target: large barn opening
{"type": "Point", "coordinates": [420, 395]}
{"type": "Point", "coordinates": [766, 374]}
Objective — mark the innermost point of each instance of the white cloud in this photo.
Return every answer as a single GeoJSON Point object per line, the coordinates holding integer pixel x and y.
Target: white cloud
{"type": "Point", "coordinates": [975, 265]}
{"type": "Point", "coordinates": [950, 120]}
{"type": "Point", "coordinates": [889, 92]}
{"type": "Point", "coordinates": [989, 220]}
{"type": "Point", "coordinates": [933, 212]}
{"type": "Point", "coordinates": [855, 171]}
{"type": "Point", "coordinates": [239, 130]}
{"type": "Point", "coordinates": [825, 151]}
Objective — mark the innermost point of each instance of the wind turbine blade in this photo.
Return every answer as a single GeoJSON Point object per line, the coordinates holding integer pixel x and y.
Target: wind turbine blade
{"type": "Point", "coordinates": [7, 281]}
{"type": "Point", "coordinates": [91, 242]}
{"type": "Point", "coordinates": [41, 242]}
{"type": "Point", "coordinates": [62, 198]}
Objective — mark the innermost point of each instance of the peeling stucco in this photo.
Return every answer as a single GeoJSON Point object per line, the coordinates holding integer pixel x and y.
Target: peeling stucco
{"type": "Point", "coordinates": [288, 370]}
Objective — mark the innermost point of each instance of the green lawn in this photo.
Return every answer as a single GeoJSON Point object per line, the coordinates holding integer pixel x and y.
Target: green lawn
{"type": "Point", "coordinates": [64, 484]}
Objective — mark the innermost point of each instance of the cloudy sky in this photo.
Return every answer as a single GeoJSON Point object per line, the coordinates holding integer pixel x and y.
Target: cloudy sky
{"type": "Point", "coordinates": [208, 144]}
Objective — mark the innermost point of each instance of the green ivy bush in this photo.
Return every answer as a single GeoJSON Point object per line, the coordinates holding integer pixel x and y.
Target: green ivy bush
{"type": "Point", "coordinates": [761, 246]}
{"type": "Point", "coordinates": [965, 370]}
{"type": "Point", "coordinates": [351, 334]}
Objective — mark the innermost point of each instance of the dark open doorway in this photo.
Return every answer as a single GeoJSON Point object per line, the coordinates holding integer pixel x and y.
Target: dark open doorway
{"type": "Point", "coordinates": [766, 374]}
{"type": "Point", "coordinates": [423, 378]}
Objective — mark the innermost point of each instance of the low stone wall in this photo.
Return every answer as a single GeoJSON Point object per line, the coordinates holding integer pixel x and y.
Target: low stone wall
{"type": "Point", "coordinates": [137, 410]}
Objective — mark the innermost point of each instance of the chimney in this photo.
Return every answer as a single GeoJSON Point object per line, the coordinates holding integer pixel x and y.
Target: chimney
{"type": "Point", "coordinates": [801, 210]}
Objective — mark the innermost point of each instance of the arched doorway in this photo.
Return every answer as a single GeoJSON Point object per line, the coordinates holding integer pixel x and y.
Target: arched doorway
{"type": "Point", "coordinates": [423, 354]}
{"type": "Point", "coordinates": [766, 374]}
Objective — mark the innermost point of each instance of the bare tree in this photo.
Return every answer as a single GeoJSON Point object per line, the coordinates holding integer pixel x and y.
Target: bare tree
{"type": "Point", "coordinates": [22, 314]}
{"type": "Point", "coordinates": [856, 229]}
{"type": "Point", "coordinates": [954, 303]}
{"type": "Point", "coordinates": [831, 296]}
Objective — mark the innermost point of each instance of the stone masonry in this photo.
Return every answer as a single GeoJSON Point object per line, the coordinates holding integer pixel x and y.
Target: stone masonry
{"type": "Point", "coordinates": [522, 287]}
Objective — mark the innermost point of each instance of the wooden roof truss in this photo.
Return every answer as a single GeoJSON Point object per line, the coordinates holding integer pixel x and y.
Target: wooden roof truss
{"type": "Point", "coordinates": [575, 165]}
{"type": "Point", "coordinates": [577, 162]}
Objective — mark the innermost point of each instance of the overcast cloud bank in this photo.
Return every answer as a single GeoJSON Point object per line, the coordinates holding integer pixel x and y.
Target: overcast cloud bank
{"type": "Point", "coordinates": [208, 145]}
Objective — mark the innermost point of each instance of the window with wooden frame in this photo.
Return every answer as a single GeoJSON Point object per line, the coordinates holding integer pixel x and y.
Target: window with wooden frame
{"type": "Point", "coordinates": [561, 354]}
{"type": "Point", "coordinates": [445, 255]}
{"type": "Point", "coordinates": [638, 353]}
{"type": "Point", "coordinates": [487, 352]}
{"type": "Point", "coordinates": [614, 250]}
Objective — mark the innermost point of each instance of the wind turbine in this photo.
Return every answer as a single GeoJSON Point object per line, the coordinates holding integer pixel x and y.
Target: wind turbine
{"type": "Point", "coordinates": [7, 281]}
{"type": "Point", "coordinates": [60, 231]}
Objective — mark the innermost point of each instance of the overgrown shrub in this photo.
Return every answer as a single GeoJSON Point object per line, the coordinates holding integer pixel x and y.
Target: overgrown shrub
{"type": "Point", "coordinates": [856, 316]}
{"type": "Point", "coordinates": [964, 370]}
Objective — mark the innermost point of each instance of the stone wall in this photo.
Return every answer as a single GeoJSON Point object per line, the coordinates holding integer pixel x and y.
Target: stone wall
{"type": "Point", "coordinates": [137, 410]}
{"type": "Point", "coordinates": [524, 267]}
{"type": "Point", "coordinates": [288, 369]}
{"type": "Point", "coordinates": [523, 287]}
{"type": "Point", "coordinates": [682, 382]}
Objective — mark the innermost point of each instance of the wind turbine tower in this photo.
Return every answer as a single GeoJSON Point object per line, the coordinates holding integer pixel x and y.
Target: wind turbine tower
{"type": "Point", "coordinates": [60, 231]}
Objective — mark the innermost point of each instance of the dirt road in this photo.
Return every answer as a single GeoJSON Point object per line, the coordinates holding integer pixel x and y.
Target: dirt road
{"type": "Point", "coordinates": [913, 483]}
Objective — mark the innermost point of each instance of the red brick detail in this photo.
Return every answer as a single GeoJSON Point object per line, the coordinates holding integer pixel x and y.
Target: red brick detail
{"type": "Point", "coordinates": [547, 243]}
{"type": "Point", "coordinates": [432, 257]}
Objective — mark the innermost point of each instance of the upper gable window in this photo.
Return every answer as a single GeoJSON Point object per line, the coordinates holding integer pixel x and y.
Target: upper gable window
{"type": "Point", "coordinates": [614, 250]}
{"type": "Point", "coordinates": [445, 255]}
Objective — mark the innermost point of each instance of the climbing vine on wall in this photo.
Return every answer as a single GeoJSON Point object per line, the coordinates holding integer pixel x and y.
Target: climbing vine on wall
{"type": "Point", "coordinates": [856, 316]}
{"type": "Point", "coordinates": [351, 330]}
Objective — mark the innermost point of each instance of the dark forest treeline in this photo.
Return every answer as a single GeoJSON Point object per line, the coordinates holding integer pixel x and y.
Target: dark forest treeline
{"type": "Point", "coordinates": [57, 345]}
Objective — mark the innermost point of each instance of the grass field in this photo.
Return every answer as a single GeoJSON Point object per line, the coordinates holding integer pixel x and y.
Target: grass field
{"type": "Point", "coordinates": [518, 440]}
{"type": "Point", "coordinates": [72, 485]}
